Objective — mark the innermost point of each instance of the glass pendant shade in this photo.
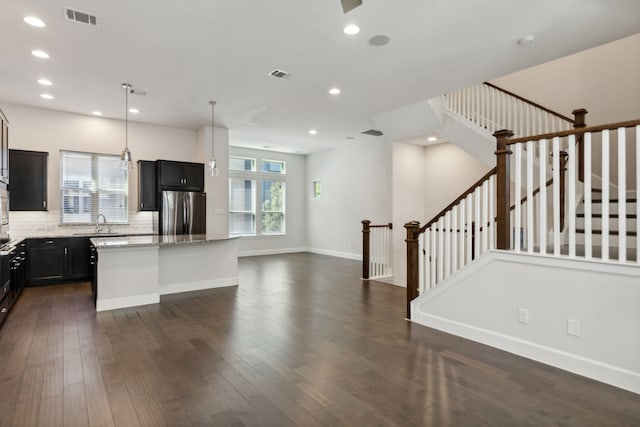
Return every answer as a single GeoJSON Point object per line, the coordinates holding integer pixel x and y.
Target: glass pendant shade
{"type": "Point", "coordinates": [127, 158]}
{"type": "Point", "coordinates": [213, 167]}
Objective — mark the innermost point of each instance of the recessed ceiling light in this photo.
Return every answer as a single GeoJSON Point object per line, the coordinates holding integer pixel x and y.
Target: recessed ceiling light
{"type": "Point", "coordinates": [45, 82]}
{"type": "Point", "coordinates": [334, 91]}
{"type": "Point", "coordinates": [134, 110]}
{"type": "Point", "coordinates": [96, 113]}
{"type": "Point", "coordinates": [350, 137]}
{"type": "Point", "coordinates": [313, 132]}
{"type": "Point", "coordinates": [40, 54]}
{"type": "Point", "coordinates": [46, 96]}
{"type": "Point", "coordinates": [34, 22]}
{"type": "Point", "coordinates": [351, 30]}
{"type": "Point", "coordinates": [432, 139]}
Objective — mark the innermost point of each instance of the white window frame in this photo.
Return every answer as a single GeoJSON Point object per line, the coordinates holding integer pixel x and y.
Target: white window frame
{"type": "Point", "coordinates": [253, 159]}
{"type": "Point", "coordinates": [94, 191]}
{"type": "Point", "coordinates": [259, 177]}
{"type": "Point", "coordinates": [244, 177]}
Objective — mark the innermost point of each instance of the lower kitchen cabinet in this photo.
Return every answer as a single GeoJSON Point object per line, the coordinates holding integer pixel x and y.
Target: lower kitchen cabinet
{"type": "Point", "coordinates": [58, 260]}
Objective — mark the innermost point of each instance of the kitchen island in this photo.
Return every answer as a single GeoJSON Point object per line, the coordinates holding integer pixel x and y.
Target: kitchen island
{"type": "Point", "coordinates": [137, 270]}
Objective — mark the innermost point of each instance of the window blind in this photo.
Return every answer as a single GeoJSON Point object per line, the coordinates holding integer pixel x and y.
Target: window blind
{"type": "Point", "coordinates": [92, 184]}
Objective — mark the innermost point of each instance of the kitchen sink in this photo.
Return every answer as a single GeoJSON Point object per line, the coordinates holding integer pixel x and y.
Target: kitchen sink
{"type": "Point", "coordinates": [99, 234]}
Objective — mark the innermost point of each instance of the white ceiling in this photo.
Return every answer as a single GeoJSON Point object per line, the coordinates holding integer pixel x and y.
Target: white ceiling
{"type": "Point", "coordinates": [184, 53]}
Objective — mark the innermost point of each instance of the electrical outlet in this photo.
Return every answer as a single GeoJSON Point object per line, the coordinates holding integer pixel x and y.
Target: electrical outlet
{"type": "Point", "coordinates": [573, 327]}
{"type": "Point", "coordinates": [350, 245]}
{"type": "Point", "coordinates": [523, 316]}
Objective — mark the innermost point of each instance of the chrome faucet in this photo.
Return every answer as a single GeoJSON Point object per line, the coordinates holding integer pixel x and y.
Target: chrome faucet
{"type": "Point", "coordinates": [98, 228]}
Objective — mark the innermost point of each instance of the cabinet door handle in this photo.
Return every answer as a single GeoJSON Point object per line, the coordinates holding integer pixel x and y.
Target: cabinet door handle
{"type": "Point", "coordinates": [142, 205]}
{"type": "Point", "coordinates": [44, 204]}
{"type": "Point", "coordinates": [49, 242]}
{"type": "Point", "coordinates": [4, 310]}
{"type": "Point", "coordinates": [65, 251]}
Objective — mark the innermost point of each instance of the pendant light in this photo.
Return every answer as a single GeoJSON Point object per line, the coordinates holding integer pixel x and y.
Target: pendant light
{"type": "Point", "coordinates": [213, 165]}
{"type": "Point", "coordinates": [126, 157]}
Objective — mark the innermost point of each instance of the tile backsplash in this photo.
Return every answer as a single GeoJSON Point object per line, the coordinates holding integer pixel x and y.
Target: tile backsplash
{"type": "Point", "coordinates": [41, 224]}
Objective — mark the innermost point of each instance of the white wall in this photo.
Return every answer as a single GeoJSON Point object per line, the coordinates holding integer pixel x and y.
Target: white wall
{"type": "Point", "coordinates": [217, 188]}
{"type": "Point", "coordinates": [426, 179]}
{"type": "Point", "coordinates": [51, 131]}
{"type": "Point", "coordinates": [604, 298]}
{"type": "Point", "coordinates": [604, 80]}
{"type": "Point", "coordinates": [295, 238]}
{"type": "Point", "coordinates": [356, 184]}
{"type": "Point", "coordinates": [408, 200]}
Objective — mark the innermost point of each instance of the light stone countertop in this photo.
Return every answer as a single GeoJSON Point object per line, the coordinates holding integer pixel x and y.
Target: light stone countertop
{"type": "Point", "coordinates": [156, 240]}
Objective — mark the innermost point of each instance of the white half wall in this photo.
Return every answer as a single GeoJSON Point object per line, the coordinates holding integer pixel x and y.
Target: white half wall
{"type": "Point", "coordinates": [481, 303]}
{"type": "Point", "coordinates": [356, 184]}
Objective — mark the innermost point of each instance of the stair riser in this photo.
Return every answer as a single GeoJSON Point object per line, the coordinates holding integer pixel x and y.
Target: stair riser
{"type": "Point", "coordinates": [596, 208]}
{"type": "Point", "coordinates": [614, 224]}
{"type": "Point", "coordinates": [596, 240]}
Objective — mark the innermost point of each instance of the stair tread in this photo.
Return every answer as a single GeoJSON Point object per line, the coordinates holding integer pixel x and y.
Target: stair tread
{"type": "Point", "coordinates": [611, 232]}
{"type": "Point", "coordinates": [596, 252]}
{"type": "Point", "coordinates": [597, 215]}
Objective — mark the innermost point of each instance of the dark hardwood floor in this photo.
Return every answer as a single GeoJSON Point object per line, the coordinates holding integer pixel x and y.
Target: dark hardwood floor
{"type": "Point", "coordinates": [302, 341]}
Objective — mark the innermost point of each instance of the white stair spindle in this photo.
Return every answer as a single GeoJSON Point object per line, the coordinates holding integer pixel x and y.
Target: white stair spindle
{"type": "Point", "coordinates": [454, 239]}
{"type": "Point", "coordinates": [605, 195]}
{"type": "Point", "coordinates": [485, 216]}
{"type": "Point", "coordinates": [469, 244]}
{"type": "Point", "coordinates": [427, 259]}
{"type": "Point", "coordinates": [622, 195]}
{"type": "Point", "coordinates": [571, 178]}
{"type": "Point", "coordinates": [476, 223]}
{"type": "Point", "coordinates": [440, 267]}
{"type": "Point", "coordinates": [492, 215]}
{"type": "Point", "coordinates": [529, 172]}
{"type": "Point", "coordinates": [434, 255]}
{"type": "Point", "coordinates": [447, 244]}
{"type": "Point", "coordinates": [421, 262]}
{"type": "Point", "coordinates": [517, 218]}
{"type": "Point", "coordinates": [588, 217]}
{"type": "Point", "coordinates": [542, 203]}
{"type": "Point", "coordinates": [556, 195]}
{"type": "Point", "coordinates": [461, 233]}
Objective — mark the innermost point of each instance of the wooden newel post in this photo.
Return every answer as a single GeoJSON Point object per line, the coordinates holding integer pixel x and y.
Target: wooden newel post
{"type": "Point", "coordinates": [413, 261]}
{"type": "Point", "coordinates": [503, 189]}
{"type": "Point", "coordinates": [365, 248]}
{"type": "Point", "coordinates": [579, 121]}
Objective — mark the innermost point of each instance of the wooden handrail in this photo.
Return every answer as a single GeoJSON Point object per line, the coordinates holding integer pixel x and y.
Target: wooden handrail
{"type": "Point", "coordinates": [389, 226]}
{"type": "Point", "coordinates": [456, 201]}
{"type": "Point", "coordinates": [530, 102]}
{"type": "Point", "coordinates": [592, 129]}
{"type": "Point", "coordinates": [535, 192]}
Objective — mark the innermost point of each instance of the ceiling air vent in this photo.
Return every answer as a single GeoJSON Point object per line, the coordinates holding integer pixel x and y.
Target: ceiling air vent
{"type": "Point", "coordinates": [373, 132]}
{"type": "Point", "coordinates": [80, 17]}
{"type": "Point", "coordinates": [279, 74]}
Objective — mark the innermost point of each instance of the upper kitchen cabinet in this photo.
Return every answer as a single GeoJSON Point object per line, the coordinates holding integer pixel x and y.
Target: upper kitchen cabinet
{"type": "Point", "coordinates": [147, 188]}
{"type": "Point", "coordinates": [28, 187]}
{"type": "Point", "coordinates": [181, 176]}
{"type": "Point", "coordinates": [4, 148]}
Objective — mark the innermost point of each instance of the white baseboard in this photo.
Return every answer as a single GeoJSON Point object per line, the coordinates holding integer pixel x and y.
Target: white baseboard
{"type": "Point", "coordinates": [609, 374]}
{"type": "Point", "coordinates": [348, 255]}
{"type": "Point", "coordinates": [115, 303]}
{"type": "Point", "coordinates": [271, 252]}
{"type": "Point", "coordinates": [198, 286]}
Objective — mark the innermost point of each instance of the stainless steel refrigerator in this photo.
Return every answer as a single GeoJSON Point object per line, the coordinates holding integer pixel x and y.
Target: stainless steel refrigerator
{"type": "Point", "coordinates": [183, 212]}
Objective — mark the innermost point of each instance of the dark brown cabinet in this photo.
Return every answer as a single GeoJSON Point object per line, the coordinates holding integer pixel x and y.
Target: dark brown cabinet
{"type": "Point", "coordinates": [181, 176]}
{"type": "Point", "coordinates": [147, 188]}
{"type": "Point", "coordinates": [28, 186]}
{"type": "Point", "coordinates": [58, 260]}
{"type": "Point", "coordinates": [47, 260]}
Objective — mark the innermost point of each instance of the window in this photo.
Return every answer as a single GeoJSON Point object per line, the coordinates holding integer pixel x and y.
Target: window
{"type": "Point", "coordinates": [256, 191]}
{"type": "Point", "coordinates": [317, 189]}
{"type": "Point", "coordinates": [242, 163]}
{"type": "Point", "coordinates": [92, 184]}
{"type": "Point", "coordinates": [273, 207]}
{"type": "Point", "coordinates": [242, 211]}
{"type": "Point", "coordinates": [273, 166]}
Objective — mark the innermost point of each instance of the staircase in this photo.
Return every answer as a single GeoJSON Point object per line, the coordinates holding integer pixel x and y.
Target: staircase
{"type": "Point", "coordinates": [552, 229]}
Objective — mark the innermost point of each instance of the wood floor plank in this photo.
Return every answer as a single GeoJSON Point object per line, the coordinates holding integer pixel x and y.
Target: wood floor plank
{"type": "Point", "coordinates": [302, 341]}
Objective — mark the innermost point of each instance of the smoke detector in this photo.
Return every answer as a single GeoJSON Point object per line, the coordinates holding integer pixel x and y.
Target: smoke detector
{"type": "Point", "coordinates": [527, 40]}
